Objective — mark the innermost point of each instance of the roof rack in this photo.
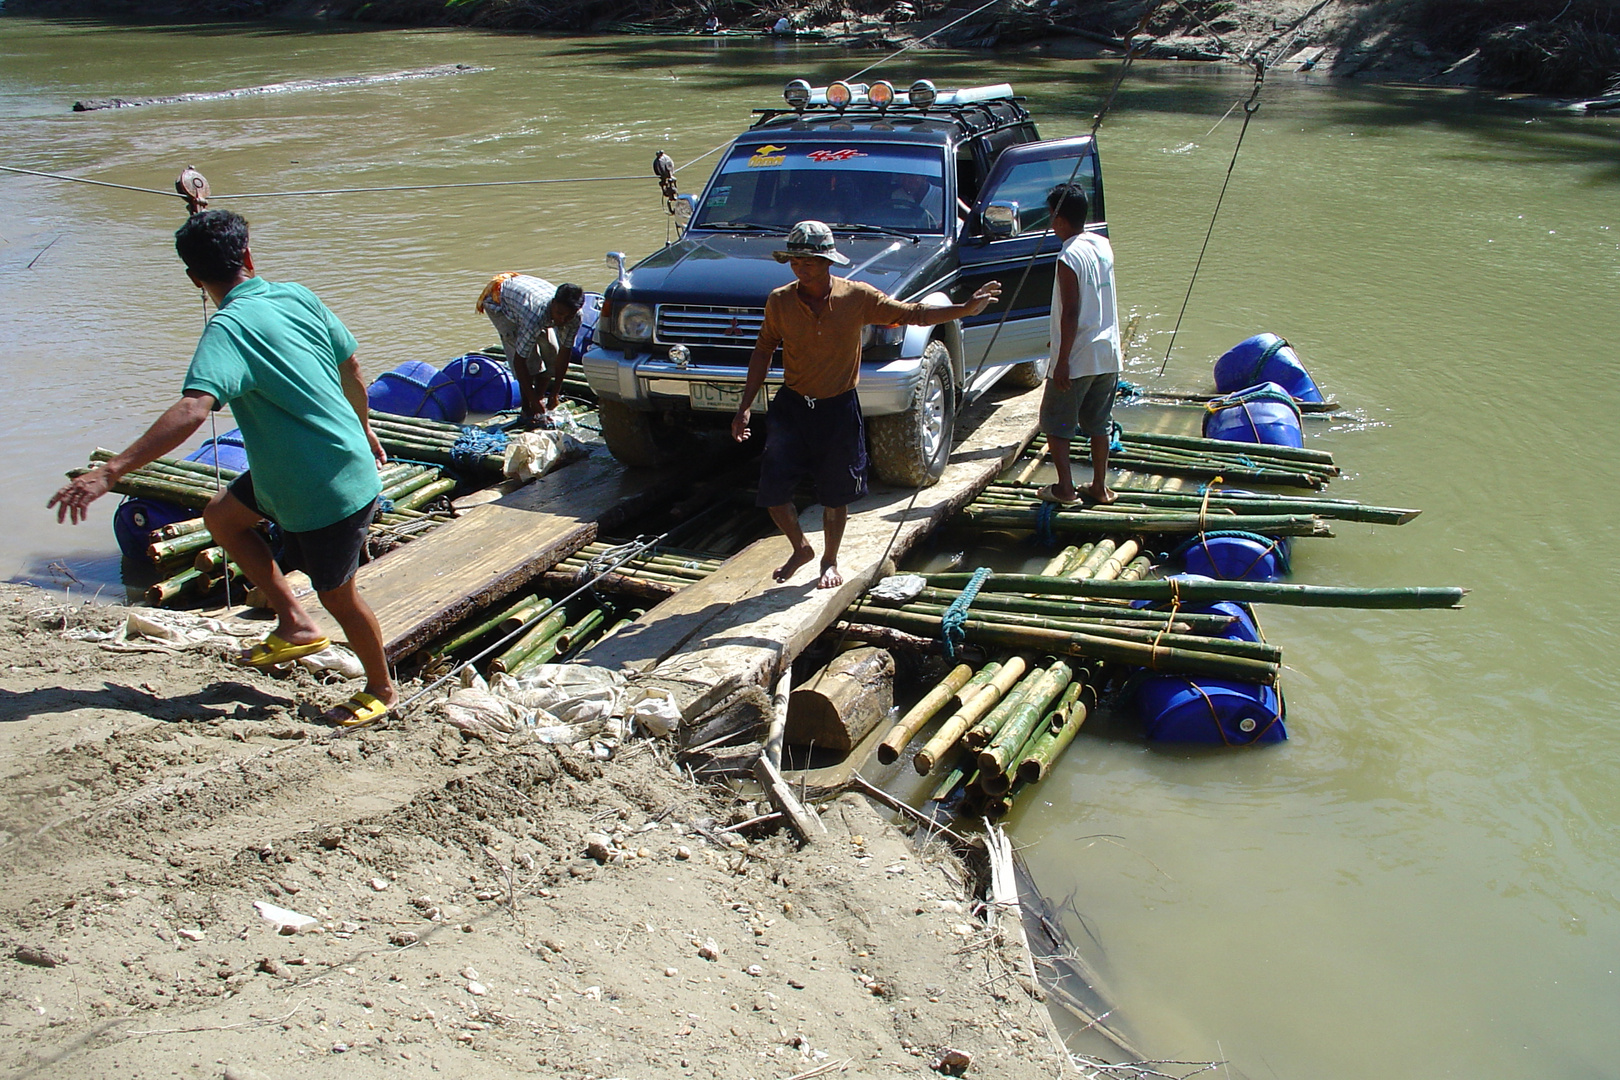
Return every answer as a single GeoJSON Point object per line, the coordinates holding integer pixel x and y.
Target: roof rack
{"type": "Point", "coordinates": [968, 115]}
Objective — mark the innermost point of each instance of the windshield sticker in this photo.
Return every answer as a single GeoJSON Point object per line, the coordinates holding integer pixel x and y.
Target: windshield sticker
{"type": "Point", "coordinates": [767, 156]}
{"type": "Point", "coordinates": [720, 196]}
{"type": "Point", "coordinates": [834, 155]}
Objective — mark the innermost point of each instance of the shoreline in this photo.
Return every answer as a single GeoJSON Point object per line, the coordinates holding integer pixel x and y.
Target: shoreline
{"type": "Point", "coordinates": [464, 913]}
{"type": "Point", "coordinates": [1507, 47]}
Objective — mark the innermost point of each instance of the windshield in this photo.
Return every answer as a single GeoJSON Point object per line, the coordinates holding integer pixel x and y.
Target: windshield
{"type": "Point", "coordinates": [773, 186]}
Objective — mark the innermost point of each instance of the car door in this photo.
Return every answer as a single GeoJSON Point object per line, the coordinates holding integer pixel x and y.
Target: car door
{"type": "Point", "coordinates": [1022, 261]}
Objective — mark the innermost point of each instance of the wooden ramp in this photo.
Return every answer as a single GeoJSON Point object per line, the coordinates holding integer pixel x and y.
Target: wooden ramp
{"type": "Point", "coordinates": [742, 625]}
{"type": "Point", "coordinates": [422, 589]}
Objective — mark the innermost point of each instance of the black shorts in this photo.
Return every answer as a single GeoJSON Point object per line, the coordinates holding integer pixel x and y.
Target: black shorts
{"type": "Point", "coordinates": [822, 440]}
{"type": "Point", "coordinates": [329, 555]}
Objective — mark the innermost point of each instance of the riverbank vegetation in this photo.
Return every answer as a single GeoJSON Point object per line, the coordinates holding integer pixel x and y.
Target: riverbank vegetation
{"type": "Point", "coordinates": [1565, 48]}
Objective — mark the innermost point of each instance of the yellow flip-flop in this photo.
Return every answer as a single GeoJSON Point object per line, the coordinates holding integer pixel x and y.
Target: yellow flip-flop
{"type": "Point", "coordinates": [362, 709]}
{"type": "Point", "coordinates": [274, 651]}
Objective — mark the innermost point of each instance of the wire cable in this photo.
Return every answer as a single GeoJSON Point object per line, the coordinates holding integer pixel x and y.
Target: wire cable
{"type": "Point", "coordinates": [84, 180]}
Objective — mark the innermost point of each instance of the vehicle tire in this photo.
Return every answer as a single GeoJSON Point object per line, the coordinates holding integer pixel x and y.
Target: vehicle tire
{"type": "Point", "coordinates": [1025, 376]}
{"type": "Point", "coordinates": [911, 448]}
{"type": "Point", "coordinates": [629, 435]}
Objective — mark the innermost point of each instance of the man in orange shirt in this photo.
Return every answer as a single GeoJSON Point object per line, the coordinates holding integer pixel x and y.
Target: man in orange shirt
{"type": "Point", "coordinates": [814, 425]}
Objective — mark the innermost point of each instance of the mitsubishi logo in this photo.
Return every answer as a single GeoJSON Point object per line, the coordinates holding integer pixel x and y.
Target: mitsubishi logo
{"type": "Point", "coordinates": [733, 330]}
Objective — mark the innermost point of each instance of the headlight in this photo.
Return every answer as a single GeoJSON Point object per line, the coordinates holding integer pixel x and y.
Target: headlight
{"type": "Point", "coordinates": [634, 322]}
{"type": "Point", "coordinates": [883, 335]}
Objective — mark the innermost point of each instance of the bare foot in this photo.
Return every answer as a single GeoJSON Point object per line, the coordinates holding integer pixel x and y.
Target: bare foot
{"type": "Point", "coordinates": [831, 578]}
{"type": "Point", "coordinates": [1102, 496]}
{"type": "Point", "coordinates": [800, 556]}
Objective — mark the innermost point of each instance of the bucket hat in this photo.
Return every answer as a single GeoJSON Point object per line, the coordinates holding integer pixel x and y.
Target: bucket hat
{"type": "Point", "coordinates": [812, 238]}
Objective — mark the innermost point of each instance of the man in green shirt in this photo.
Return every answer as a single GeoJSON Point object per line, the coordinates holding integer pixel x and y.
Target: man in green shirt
{"type": "Point", "coordinates": [286, 366]}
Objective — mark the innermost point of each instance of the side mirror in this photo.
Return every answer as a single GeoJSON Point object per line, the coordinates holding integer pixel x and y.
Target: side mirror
{"type": "Point", "coordinates": [1001, 219]}
{"type": "Point", "coordinates": [684, 207]}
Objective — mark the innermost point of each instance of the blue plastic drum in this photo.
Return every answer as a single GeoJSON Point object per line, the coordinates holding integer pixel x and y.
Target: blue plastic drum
{"type": "Point", "coordinates": [228, 449]}
{"type": "Point", "coordinates": [417, 389]}
{"type": "Point", "coordinates": [1235, 556]}
{"type": "Point", "coordinates": [1261, 414]}
{"type": "Point", "coordinates": [1212, 712]}
{"type": "Point", "coordinates": [136, 519]}
{"type": "Point", "coordinates": [487, 384]}
{"type": "Point", "coordinates": [1264, 358]}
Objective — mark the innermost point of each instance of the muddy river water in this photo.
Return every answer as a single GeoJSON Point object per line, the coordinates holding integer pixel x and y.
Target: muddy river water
{"type": "Point", "coordinates": [1425, 880]}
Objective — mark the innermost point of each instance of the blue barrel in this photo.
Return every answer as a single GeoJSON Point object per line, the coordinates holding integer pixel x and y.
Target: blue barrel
{"type": "Point", "coordinates": [1232, 555]}
{"type": "Point", "coordinates": [228, 449]}
{"type": "Point", "coordinates": [486, 383]}
{"type": "Point", "coordinates": [1244, 626]}
{"type": "Point", "coordinates": [1264, 358]}
{"type": "Point", "coordinates": [1213, 712]}
{"type": "Point", "coordinates": [589, 316]}
{"type": "Point", "coordinates": [1261, 414]}
{"type": "Point", "coordinates": [417, 389]}
{"type": "Point", "coordinates": [135, 519]}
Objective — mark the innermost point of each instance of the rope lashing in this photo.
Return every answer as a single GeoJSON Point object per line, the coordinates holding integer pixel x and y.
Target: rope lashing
{"type": "Point", "coordinates": [951, 630]}
{"type": "Point", "coordinates": [1265, 357]}
{"type": "Point", "coordinates": [1116, 437]}
{"type": "Point", "coordinates": [474, 444]}
{"type": "Point", "coordinates": [1126, 392]}
{"type": "Point", "coordinates": [385, 505]}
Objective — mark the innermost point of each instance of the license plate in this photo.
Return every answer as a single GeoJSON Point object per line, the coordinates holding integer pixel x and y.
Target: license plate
{"type": "Point", "coordinates": [721, 397]}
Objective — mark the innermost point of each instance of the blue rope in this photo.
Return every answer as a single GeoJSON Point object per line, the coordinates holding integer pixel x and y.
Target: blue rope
{"type": "Point", "coordinates": [385, 505]}
{"type": "Point", "coordinates": [1265, 356]}
{"type": "Point", "coordinates": [1116, 437]}
{"type": "Point", "coordinates": [1044, 534]}
{"type": "Point", "coordinates": [474, 444]}
{"type": "Point", "coordinates": [1127, 392]}
{"type": "Point", "coordinates": [950, 627]}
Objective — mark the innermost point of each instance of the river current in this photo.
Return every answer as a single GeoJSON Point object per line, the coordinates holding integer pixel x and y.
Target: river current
{"type": "Point", "coordinates": [1425, 879]}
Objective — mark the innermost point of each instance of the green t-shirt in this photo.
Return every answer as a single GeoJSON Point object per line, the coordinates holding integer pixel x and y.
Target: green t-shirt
{"type": "Point", "coordinates": [272, 353]}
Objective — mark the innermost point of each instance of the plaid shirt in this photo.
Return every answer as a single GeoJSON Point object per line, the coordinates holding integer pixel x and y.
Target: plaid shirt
{"type": "Point", "coordinates": [525, 301]}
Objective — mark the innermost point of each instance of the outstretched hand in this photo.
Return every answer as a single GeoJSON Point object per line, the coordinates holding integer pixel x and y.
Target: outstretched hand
{"type": "Point", "coordinates": [987, 294]}
{"type": "Point", "coordinates": [76, 495]}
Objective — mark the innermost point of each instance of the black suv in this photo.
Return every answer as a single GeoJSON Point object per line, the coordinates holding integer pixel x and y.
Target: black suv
{"type": "Point", "coordinates": [930, 193]}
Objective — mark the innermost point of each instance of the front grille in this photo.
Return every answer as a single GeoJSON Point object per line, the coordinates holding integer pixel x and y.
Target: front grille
{"type": "Point", "coordinates": [724, 327]}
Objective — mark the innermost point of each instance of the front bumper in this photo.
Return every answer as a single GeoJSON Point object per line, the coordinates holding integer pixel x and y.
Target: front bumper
{"type": "Point", "coordinates": [654, 383]}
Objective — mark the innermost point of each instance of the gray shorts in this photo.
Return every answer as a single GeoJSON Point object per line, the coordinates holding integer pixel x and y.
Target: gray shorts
{"type": "Point", "coordinates": [534, 363]}
{"type": "Point", "coordinates": [1085, 408]}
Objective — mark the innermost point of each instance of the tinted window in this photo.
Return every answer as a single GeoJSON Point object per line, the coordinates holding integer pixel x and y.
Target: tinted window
{"type": "Point", "coordinates": [1028, 182]}
{"type": "Point", "coordinates": [765, 183]}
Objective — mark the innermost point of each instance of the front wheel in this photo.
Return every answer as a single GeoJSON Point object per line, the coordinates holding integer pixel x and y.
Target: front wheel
{"type": "Point", "coordinates": [630, 437]}
{"type": "Point", "coordinates": [910, 449]}
{"type": "Point", "coordinates": [1025, 376]}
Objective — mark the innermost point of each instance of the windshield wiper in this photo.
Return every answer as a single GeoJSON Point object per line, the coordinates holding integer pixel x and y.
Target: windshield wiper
{"type": "Point", "coordinates": [856, 227]}
{"type": "Point", "coordinates": [744, 226]}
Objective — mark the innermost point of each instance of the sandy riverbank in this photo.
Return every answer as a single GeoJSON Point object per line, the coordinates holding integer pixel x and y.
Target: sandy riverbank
{"type": "Point", "coordinates": [152, 798]}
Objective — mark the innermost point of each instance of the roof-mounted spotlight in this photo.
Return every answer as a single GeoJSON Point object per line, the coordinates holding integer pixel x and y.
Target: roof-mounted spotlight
{"type": "Point", "coordinates": [839, 95]}
{"type": "Point", "coordinates": [881, 94]}
{"type": "Point", "coordinates": [922, 93]}
{"type": "Point", "coordinates": [797, 94]}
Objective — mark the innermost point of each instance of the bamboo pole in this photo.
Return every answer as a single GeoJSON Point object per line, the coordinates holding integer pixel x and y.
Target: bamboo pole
{"type": "Point", "coordinates": [1226, 503]}
{"type": "Point", "coordinates": [982, 732]}
{"type": "Point", "coordinates": [179, 529]}
{"type": "Point", "coordinates": [424, 495]}
{"type": "Point", "coordinates": [971, 710]}
{"type": "Point", "coordinates": [1097, 521]}
{"type": "Point", "coordinates": [537, 635]}
{"type": "Point", "coordinates": [467, 637]}
{"type": "Point", "coordinates": [1089, 564]}
{"type": "Point", "coordinates": [1258, 650]}
{"type": "Point", "coordinates": [1036, 760]}
{"type": "Point", "coordinates": [995, 757]}
{"type": "Point", "coordinates": [1210, 592]}
{"type": "Point", "coordinates": [888, 750]}
{"type": "Point", "coordinates": [1157, 657]}
{"type": "Point", "coordinates": [1115, 564]}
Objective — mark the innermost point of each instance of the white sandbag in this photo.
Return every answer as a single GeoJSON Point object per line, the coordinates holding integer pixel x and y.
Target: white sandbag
{"type": "Point", "coordinates": [336, 659]}
{"type": "Point", "coordinates": [534, 453]}
{"type": "Point", "coordinates": [573, 693]}
{"type": "Point", "coordinates": [653, 709]}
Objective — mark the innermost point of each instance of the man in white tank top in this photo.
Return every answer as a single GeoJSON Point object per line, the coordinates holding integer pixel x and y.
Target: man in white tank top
{"type": "Point", "coordinates": [1083, 373]}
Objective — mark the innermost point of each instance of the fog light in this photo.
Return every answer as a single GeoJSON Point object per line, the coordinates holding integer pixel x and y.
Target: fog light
{"type": "Point", "coordinates": [797, 94]}
{"type": "Point", "coordinates": [922, 93]}
{"type": "Point", "coordinates": [881, 94]}
{"type": "Point", "coordinates": [680, 354]}
{"type": "Point", "coordinates": [839, 95]}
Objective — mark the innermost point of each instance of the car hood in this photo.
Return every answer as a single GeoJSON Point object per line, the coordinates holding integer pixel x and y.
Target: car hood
{"type": "Point", "coordinates": [731, 270]}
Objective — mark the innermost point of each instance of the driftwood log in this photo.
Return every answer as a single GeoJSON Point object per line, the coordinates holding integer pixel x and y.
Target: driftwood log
{"type": "Point", "coordinates": [840, 704]}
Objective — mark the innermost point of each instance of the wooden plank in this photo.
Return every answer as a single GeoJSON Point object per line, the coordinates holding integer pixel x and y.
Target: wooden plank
{"type": "Point", "coordinates": [739, 623]}
{"type": "Point", "coordinates": [423, 588]}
